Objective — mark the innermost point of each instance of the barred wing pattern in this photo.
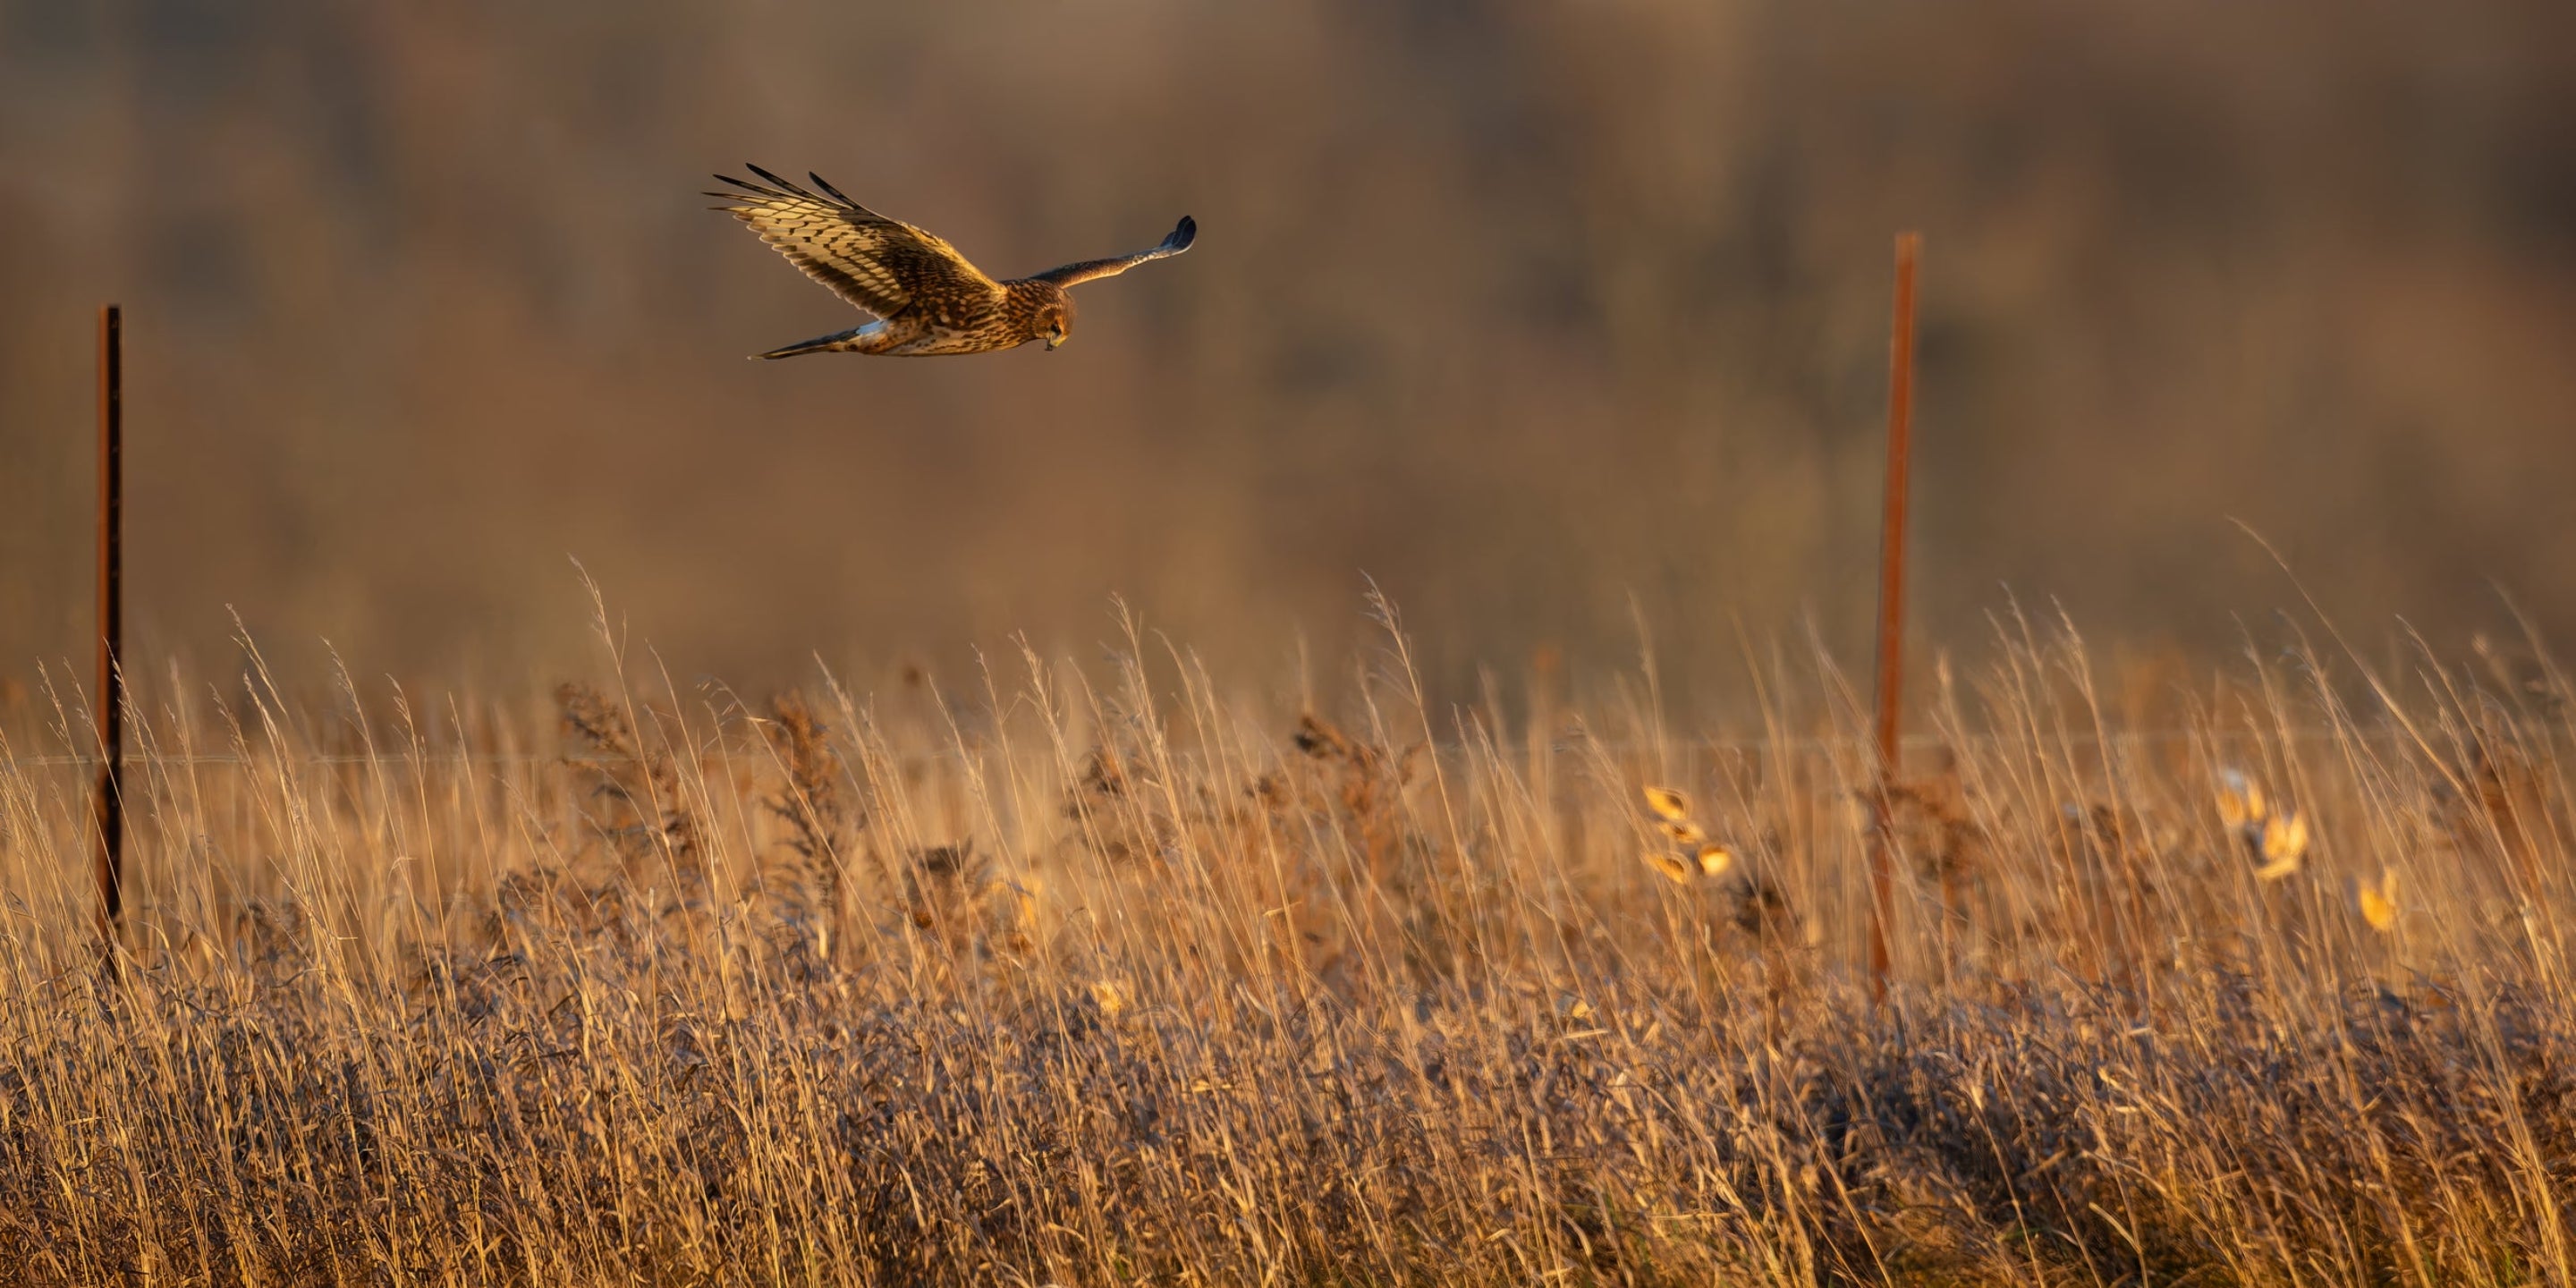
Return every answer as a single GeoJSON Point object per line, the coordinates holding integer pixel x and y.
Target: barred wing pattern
{"type": "Point", "coordinates": [927, 299]}
{"type": "Point", "coordinates": [881, 265]}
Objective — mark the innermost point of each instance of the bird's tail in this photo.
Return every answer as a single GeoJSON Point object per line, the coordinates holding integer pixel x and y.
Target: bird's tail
{"type": "Point", "coordinates": [819, 344]}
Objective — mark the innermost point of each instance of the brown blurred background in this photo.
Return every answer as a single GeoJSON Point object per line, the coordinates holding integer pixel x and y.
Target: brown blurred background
{"type": "Point", "coordinates": [1532, 311]}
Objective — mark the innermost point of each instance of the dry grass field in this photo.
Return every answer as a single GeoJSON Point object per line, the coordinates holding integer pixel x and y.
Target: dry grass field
{"type": "Point", "coordinates": [2252, 977]}
{"type": "Point", "coordinates": [1277, 944]}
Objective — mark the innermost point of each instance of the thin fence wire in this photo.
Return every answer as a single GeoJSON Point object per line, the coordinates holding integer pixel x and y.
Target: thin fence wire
{"type": "Point", "coordinates": [1623, 746]}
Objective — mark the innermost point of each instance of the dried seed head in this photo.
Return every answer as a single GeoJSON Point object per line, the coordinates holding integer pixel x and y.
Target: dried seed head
{"type": "Point", "coordinates": [2285, 838]}
{"type": "Point", "coordinates": [1671, 865]}
{"type": "Point", "coordinates": [2240, 800]}
{"type": "Point", "coordinates": [2378, 900]}
{"type": "Point", "coordinates": [1668, 805]}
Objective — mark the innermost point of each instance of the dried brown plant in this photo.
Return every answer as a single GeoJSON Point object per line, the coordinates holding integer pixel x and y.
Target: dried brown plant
{"type": "Point", "coordinates": [644, 810]}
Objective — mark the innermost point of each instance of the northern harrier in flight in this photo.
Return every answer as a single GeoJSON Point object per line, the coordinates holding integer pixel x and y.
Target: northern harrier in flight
{"type": "Point", "coordinates": [927, 299]}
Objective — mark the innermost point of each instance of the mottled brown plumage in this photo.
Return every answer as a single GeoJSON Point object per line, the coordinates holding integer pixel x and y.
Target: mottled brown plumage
{"type": "Point", "coordinates": [926, 297]}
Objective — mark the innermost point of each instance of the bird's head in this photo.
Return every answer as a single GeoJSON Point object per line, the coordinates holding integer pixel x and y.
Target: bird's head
{"type": "Point", "coordinates": [1055, 319]}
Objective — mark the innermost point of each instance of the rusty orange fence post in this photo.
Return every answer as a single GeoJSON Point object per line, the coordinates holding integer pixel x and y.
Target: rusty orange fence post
{"type": "Point", "coordinates": [111, 620]}
{"type": "Point", "coordinates": [1891, 604]}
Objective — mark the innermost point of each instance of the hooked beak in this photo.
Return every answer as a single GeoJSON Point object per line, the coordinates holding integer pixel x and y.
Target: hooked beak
{"type": "Point", "coordinates": [1053, 341]}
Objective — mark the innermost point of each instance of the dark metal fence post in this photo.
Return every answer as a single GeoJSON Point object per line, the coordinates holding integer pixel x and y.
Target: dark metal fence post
{"type": "Point", "coordinates": [111, 619]}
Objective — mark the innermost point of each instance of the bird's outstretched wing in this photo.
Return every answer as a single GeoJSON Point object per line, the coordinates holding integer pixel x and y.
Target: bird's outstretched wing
{"type": "Point", "coordinates": [879, 264]}
{"type": "Point", "coordinates": [1088, 269]}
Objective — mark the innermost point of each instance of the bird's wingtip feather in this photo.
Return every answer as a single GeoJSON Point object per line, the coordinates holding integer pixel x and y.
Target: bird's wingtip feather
{"type": "Point", "coordinates": [782, 184]}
